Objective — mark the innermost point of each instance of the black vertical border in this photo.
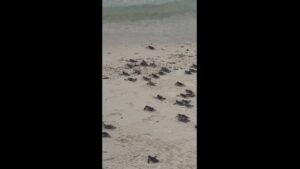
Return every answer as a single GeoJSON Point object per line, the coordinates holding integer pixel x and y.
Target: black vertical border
{"type": "Point", "coordinates": [201, 87]}
{"type": "Point", "coordinates": [99, 84]}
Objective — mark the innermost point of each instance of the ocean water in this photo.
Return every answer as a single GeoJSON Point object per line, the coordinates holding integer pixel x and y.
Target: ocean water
{"type": "Point", "coordinates": [114, 3]}
{"type": "Point", "coordinates": [119, 10]}
{"type": "Point", "coordinates": [139, 21]}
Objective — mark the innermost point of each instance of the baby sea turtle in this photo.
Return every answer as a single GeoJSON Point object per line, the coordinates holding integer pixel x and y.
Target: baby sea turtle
{"type": "Point", "coordinates": [191, 95]}
{"type": "Point", "coordinates": [125, 73]}
{"type": "Point", "coordinates": [105, 134]}
{"type": "Point", "coordinates": [159, 97]}
{"type": "Point", "coordinates": [131, 79]}
{"type": "Point", "coordinates": [194, 66]}
{"type": "Point", "coordinates": [187, 72]}
{"type": "Point", "coordinates": [152, 65]}
{"type": "Point", "coordinates": [144, 63]}
{"type": "Point", "coordinates": [105, 77]}
{"type": "Point", "coordinates": [189, 91]}
{"type": "Point", "coordinates": [108, 126]}
{"type": "Point", "coordinates": [186, 101]}
{"type": "Point", "coordinates": [150, 47]}
{"type": "Point", "coordinates": [196, 126]}
{"type": "Point", "coordinates": [152, 159]}
{"type": "Point", "coordinates": [161, 73]}
{"type": "Point", "coordinates": [129, 65]}
{"type": "Point", "coordinates": [138, 72]}
{"type": "Point", "coordinates": [182, 118]}
{"type": "Point", "coordinates": [179, 84]}
{"type": "Point", "coordinates": [150, 83]}
{"type": "Point", "coordinates": [132, 60]}
{"type": "Point", "coordinates": [148, 108]}
{"type": "Point", "coordinates": [183, 95]}
{"type": "Point", "coordinates": [193, 70]}
{"type": "Point", "coordinates": [181, 103]}
{"type": "Point", "coordinates": [146, 78]}
{"type": "Point", "coordinates": [164, 69]}
{"type": "Point", "coordinates": [154, 75]}
{"type": "Point", "coordinates": [188, 105]}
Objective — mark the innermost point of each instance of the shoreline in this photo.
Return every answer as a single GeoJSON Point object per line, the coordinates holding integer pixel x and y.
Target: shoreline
{"type": "Point", "coordinates": [163, 31]}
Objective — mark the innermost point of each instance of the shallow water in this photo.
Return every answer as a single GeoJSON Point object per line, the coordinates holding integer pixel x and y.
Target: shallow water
{"type": "Point", "coordinates": [147, 21]}
{"type": "Point", "coordinates": [114, 3]}
{"type": "Point", "coordinates": [120, 10]}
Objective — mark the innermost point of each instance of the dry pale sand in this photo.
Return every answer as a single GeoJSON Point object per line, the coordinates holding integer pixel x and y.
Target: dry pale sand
{"type": "Point", "coordinates": [140, 133]}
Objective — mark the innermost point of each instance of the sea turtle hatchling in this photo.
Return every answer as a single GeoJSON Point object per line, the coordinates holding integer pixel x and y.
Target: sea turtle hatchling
{"type": "Point", "coordinates": [182, 118]}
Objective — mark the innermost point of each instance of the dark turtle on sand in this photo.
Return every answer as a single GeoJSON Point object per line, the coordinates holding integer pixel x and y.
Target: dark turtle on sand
{"type": "Point", "coordinates": [186, 101]}
{"type": "Point", "coordinates": [154, 75]}
{"type": "Point", "coordinates": [182, 118]}
{"type": "Point", "coordinates": [150, 47]}
{"type": "Point", "coordinates": [187, 72]}
{"type": "Point", "coordinates": [179, 84]}
{"type": "Point", "coordinates": [125, 74]}
{"type": "Point", "coordinates": [190, 93]}
{"type": "Point", "coordinates": [161, 73]}
{"type": "Point", "coordinates": [181, 103]}
{"type": "Point", "coordinates": [152, 159]}
{"type": "Point", "coordinates": [148, 108]}
{"type": "Point", "coordinates": [161, 98]}
{"type": "Point", "coordinates": [196, 126]}
{"type": "Point", "coordinates": [131, 79]}
{"type": "Point", "coordinates": [193, 70]}
{"type": "Point", "coordinates": [105, 78]}
{"type": "Point", "coordinates": [164, 69]}
{"type": "Point", "coordinates": [144, 63]}
{"type": "Point", "coordinates": [152, 65]}
{"type": "Point", "coordinates": [188, 105]}
{"type": "Point", "coordinates": [138, 72]}
{"type": "Point", "coordinates": [129, 65]}
{"type": "Point", "coordinates": [105, 134]}
{"type": "Point", "coordinates": [194, 66]}
{"type": "Point", "coordinates": [146, 78]}
{"type": "Point", "coordinates": [183, 95]}
{"type": "Point", "coordinates": [132, 60]}
{"type": "Point", "coordinates": [150, 83]}
{"type": "Point", "coordinates": [108, 126]}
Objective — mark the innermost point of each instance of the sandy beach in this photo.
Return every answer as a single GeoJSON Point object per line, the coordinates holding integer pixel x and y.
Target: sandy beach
{"type": "Point", "coordinates": [139, 133]}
